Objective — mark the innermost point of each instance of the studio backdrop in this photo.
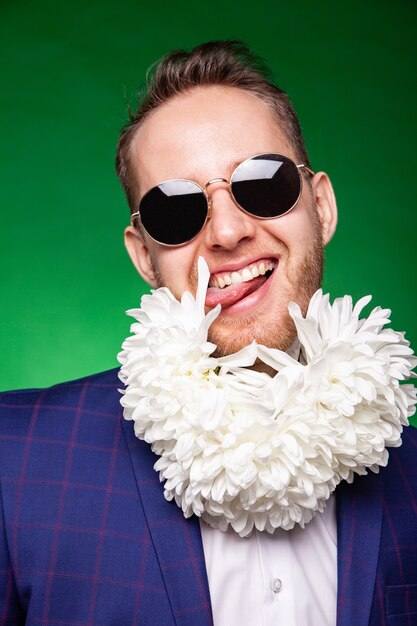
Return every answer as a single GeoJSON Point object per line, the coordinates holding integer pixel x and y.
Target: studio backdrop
{"type": "Point", "coordinates": [68, 73]}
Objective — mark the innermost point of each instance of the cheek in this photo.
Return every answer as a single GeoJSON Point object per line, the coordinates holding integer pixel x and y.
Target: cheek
{"type": "Point", "coordinates": [298, 231]}
{"type": "Point", "coordinates": [175, 268]}
{"type": "Point", "coordinates": [302, 224]}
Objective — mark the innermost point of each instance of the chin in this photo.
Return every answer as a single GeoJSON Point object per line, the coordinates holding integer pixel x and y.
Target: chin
{"type": "Point", "coordinates": [279, 335]}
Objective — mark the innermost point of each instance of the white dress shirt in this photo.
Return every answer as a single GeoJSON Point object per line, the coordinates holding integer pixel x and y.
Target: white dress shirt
{"type": "Point", "coordinates": [288, 578]}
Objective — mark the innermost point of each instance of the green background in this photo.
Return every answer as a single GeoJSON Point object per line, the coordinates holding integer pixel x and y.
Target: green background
{"type": "Point", "coordinates": [67, 73]}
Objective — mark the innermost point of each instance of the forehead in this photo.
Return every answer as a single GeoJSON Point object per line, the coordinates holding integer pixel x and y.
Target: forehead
{"type": "Point", "coordinates": [203, 134]}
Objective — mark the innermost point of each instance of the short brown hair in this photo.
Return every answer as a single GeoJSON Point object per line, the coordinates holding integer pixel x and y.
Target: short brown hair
{"type": "Point", "coordinates": [227, 63]}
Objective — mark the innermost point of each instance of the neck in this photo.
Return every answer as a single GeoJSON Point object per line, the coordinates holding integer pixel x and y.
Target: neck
{"type": "Point", "coordinates": [260, 366]}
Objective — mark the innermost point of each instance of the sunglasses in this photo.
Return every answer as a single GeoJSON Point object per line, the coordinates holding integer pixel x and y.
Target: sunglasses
{"type": "Point", "coordinates": [264, 186]}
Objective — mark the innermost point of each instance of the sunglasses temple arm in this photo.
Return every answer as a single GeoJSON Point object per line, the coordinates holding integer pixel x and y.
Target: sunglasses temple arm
{"type": "Point", "coordinates": [307, 169]}
{"type": "Point", "coordinates": [133, 215]}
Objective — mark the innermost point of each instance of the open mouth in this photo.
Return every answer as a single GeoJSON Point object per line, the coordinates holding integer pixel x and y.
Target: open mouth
{"type": "Point", "coordinates": [227, 288]}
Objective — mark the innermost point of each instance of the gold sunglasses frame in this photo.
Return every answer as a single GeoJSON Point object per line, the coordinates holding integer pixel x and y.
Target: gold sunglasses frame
{"type": "Point", "coordinates": [300, 166]}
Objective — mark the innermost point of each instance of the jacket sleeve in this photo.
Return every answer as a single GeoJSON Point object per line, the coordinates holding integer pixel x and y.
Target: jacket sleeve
{"type": "Point", "coordinates": [11, 613]}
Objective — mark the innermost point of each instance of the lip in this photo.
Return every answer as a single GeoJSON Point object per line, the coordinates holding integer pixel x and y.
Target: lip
{"type": "Point", "coordinates": [239, 265]}
{"type": "Point", "coordinates": [252, 295]}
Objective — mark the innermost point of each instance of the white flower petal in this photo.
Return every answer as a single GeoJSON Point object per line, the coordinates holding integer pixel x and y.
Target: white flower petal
{"type": "Point", "coordinates": [242, 449]}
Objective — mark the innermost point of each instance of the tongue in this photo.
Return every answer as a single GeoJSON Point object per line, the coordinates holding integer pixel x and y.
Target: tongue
{"type": "Point", "coordinates": [233, 293]}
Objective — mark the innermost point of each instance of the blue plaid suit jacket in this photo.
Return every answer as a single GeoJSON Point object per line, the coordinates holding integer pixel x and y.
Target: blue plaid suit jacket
{"type": "Point", "coordinates": [86, 537]}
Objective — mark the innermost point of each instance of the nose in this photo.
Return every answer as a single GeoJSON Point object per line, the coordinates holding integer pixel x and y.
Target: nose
{"type": "Point", "coordinates": [228, 226]}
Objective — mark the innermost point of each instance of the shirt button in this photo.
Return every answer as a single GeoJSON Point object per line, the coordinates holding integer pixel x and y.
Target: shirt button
{"type": "Point", "coordinates": [276, 585]}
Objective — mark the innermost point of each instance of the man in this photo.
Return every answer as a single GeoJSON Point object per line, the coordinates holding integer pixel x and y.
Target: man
{"type": "Point", "coordinates": [87, 536]}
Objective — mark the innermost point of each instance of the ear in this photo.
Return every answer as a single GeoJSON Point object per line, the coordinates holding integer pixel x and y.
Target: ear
{"type": "Point", "coordinates": [326, 205]}
{"type": "Point", "coordinates": [140, 256]}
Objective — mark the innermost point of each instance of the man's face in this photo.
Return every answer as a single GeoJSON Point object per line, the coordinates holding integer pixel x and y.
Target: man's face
{"type": "Point", "coordinates": [202, 135]}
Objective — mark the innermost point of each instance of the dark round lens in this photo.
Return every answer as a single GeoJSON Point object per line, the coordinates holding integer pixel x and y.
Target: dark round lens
{"type": "Point", "coordinates": [267, 185]}
{"type": "Point", "coordinates": [174, 212]}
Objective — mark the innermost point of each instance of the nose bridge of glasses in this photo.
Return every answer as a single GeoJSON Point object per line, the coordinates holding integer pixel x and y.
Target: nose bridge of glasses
{"type": "Point", "coordinates": [213, 181]}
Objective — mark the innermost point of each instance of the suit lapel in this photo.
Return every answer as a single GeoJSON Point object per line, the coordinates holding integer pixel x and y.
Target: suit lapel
{"type": "Point", "coordinates": [179, 549]}
{"type": "Point", "coordinates": [359, 519]}
{"type": "Point", "coordinates": [177, 541]}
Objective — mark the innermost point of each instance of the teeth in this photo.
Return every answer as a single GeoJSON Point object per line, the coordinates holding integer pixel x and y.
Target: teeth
{"type": "Point", "coordinates": [236, 278]}
{"type": "Point", "coordinates": [246, 275]}
{"type": "Point", "coordinates": [242, 276]}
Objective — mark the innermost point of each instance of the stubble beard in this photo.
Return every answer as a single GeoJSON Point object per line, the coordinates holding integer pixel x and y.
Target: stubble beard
{"type": "Point", "coordinates": [304, 280]}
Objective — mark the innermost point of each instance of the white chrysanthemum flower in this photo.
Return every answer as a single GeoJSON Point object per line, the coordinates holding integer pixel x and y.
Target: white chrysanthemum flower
{"type": "Point", "coordinates": [244, 449]}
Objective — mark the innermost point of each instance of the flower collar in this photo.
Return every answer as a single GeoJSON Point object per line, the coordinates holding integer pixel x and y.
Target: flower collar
{"type": "Point", "coordinates": [244, 449]}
